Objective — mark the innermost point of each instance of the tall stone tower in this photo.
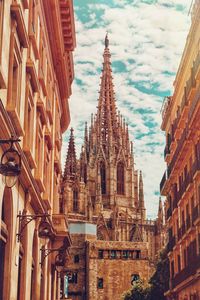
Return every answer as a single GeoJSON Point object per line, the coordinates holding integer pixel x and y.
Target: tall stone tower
{"type": "Point", "coordinates": [112, 242]}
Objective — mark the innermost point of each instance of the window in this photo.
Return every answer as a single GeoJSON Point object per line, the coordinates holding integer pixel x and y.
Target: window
{"type": "Point", "coordinates": [100, 283]}
{"type": "Point", "coordinates": [46, 178]}
{"type": "Point", "coordinates": [172, 269]}
{"type": "Point", "coordinates": [75, 200]}
{"type": "Point", "coordinates": [29, 118]}
{"type": "Point", "coordinates": [34, 17]}
{"type": "Point", "coordinates": [120, 178]}
{"type": "Point", "coordinates": [32, 280]}
{"type": "Point", "coordinates": [2, 256]}
{"type": "Point", "coordinates": [76, 258]}
{"type": "Point", "coordinates": [100, 254]}
{"type": "Point", "coordinates": [20, 274]}
{"type": "Point", "coordinates": [179, 263]}
{"type": "Point", "coordinates": [113, 254]}
{"type": "Point", "coordinates": [42, 278]}
{"type": "Point", "coordinates": [185, 257]}
{"type": "Point", "coordinates": [73, 277]}
{"type": "Point", "coordinates": [1, 25]}
{"type": "Point", "coordinates": [103, 177]}
{"type": "Point", "coordinates": [85, 173]}
{"type": "Point", "coordinates": [16, 91]}
{"type": "Point", "coordinates": [3, 240]}
{"type": "Point", "coordinates": [125, 254]}
{"type": "Point", "coordinates": [138, 254]}
{"type": "Point", "coordinates": [39, 149]}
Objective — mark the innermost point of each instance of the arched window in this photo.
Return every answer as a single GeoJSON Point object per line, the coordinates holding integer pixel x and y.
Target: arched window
{"type": "Point", "coordinates": [103, 177]}
{"type": "Point", "coordinates": [120, 178]}
{"type": "Point", "coordinates": [85, 173]}
{"type": "Point", "coordinates": [75, 200]}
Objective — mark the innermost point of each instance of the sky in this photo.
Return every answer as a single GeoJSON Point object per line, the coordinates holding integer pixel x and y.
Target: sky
{"type": "Point", "coordinates": [147, 39]}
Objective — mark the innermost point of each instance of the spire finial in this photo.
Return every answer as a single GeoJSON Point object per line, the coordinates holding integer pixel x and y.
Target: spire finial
{"type": "Point", "coordinates": [106, 40]}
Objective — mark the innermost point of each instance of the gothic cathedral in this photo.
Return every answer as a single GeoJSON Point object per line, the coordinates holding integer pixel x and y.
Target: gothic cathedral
{"type": "Point", "coordinates": [113, 243]}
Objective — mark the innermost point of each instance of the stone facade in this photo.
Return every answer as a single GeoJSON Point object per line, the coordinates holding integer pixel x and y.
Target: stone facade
{"type": "Point", "coordinates": [36, 72]}
{"type": "Point", "coordinates": [181, 182]}
{"type": "Point", "coordinates": [102, 193]}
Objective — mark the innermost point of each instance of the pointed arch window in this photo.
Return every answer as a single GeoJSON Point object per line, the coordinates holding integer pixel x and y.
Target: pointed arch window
{"type": "Point", "coordinates": [85, 173]}
{"type": "Point", "coordinates": [75, 200]}
{"type": "Point", "coordinates": [103, 177]}
{"type": "Point", "coordinates": [120, 178]}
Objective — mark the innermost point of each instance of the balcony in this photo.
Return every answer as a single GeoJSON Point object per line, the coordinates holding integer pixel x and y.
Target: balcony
{"type": "Point", "coordinates": [166, 151]}
{"type": "Point", "coordinates": [49, 110]}
{"type": "Point", "coordinates": [183, 229]}
{"type": "Point", "coordinates": [171, 244]}
{"type": "Point", "coordinates": [196, 66]}
{"type": "Point", "coordinates": [163, 183]}
{"type": "Point", "coordinates": [194, 108]}
{"type": "Point", "coordinates": [195, 168]}
{"type": "Point", "coordinates": [188, 271]}
{"type": "Point", "coordinates": [175, 202]}
{"type": "Point", "coordinates": [179, 148]}
{"type": "Point", "coordinates": [195, 213]}
{"type": "Point", "coordinates": [190, 85]}
{"type": "Point", "coordinates": [179, 234]}
{"type": "Point", "coordinates": [169, 212]}
{"type": "Point", "coordinates": [188, 223]}
{"type": "Point", "coordinates": [165, 110]}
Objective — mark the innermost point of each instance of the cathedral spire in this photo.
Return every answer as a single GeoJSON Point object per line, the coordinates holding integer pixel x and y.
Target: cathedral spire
{"type": "Point", "coordinates": [107, 120]}
{"type": "Point", "coordinates": [71, 163]}
{"type": "Point", "coordinates": [141, 192]}
{"type": "Point", "coordinates": [160, 211]}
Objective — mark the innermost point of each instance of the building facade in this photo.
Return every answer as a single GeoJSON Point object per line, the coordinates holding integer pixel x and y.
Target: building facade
{"type": "Point", "coordinates": [181, 182]}
{"type": "Point", "coordinates": [36, 72]}
{"type": "Point", "coordinates": [112, 241]}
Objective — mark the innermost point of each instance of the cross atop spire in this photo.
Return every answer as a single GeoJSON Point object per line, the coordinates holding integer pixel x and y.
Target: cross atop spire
{"type": "Point", "coordinates": [71, 163]}
{"type": "Point", "coordinates": [106, 40]}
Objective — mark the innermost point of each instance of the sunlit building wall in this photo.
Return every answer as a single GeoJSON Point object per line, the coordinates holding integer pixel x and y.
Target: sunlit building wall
{"type": "Point", "coordinates": [181, 181]}
{"type": "Point", "coordinates": [36, 72]}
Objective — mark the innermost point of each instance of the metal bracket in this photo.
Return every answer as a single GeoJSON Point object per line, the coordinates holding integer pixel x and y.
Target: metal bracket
{"type": "Point", "coordinates": [46, 252]}
{"type": "Point", "coordinates": [24, 220]}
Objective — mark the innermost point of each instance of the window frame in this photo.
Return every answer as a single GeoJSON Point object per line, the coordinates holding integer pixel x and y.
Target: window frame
{"type": "Point", "coordinates": [75, 192]}
{"type": "Point", "coordinates": [120, 178]}
{"type": "Point", "coordinates": [99, 283]}
{"type": "Point", "coordinates": [102, 167]}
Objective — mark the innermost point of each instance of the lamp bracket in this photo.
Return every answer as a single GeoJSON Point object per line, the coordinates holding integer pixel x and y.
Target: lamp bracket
{"type": "Point", "coordinates": [9, 141]}
{"type": "Point", "coordinates": [24, 220]}
{"type": "Point", "coordinates": [46, 252]}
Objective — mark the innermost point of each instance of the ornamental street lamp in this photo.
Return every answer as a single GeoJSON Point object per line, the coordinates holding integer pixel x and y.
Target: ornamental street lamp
{"type": "Point", "coordinates": [10, 164]}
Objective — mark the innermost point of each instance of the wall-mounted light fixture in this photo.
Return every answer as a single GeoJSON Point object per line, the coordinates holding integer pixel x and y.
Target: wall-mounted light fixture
{"type": "Point", "coordinates": [60, 258]}
{"type": "Point", "coordinates": [10, 164]}
{"type": "Point", "coordinates": [44, 229]}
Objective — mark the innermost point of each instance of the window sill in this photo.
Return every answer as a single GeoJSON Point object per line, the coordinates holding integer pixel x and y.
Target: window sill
{"type": "Point", "coordinates": [29, 157]}
{"type": "Point", "coordinates": [17, 14]}
{"type": "Point", "coordinates": [12, 111]}
{"type": "Point", "coordinates": [2, 79]}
